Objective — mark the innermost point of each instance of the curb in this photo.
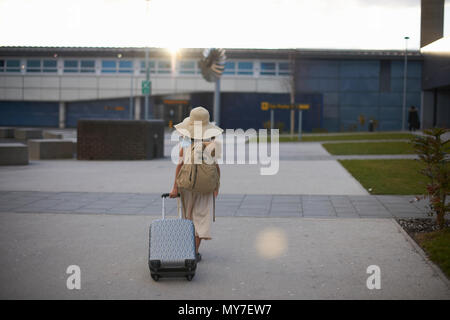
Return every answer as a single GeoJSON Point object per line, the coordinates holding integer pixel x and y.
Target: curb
{"type": "Point", "coordinates": [422, 253]}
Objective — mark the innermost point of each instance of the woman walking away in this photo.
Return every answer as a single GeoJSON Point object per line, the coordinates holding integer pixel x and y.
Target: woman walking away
{"type": "Point", "coordinates": [197, 175]}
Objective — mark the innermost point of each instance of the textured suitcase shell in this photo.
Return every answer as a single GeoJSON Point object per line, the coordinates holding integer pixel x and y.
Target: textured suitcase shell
{"type": "Point", "coordinates": [172, 241]}
{"type": "Point", "coordinates": [172, 248]}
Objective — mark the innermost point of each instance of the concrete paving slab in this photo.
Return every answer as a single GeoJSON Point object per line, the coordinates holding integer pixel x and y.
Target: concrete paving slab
{"type": "Point", "coordinates": [253, 212]}
{"type": "Point", "coordinates": [314, 197]}
{"type": "Point", "coordinates": [319, 213]}
{"type": "Point", "coordinates": [345, 209]}
{"type": "Point", "coordinates": [372, 209]}
{"type": "Point", "coordinates": [225, 213]}
{"type": "Point", "coordinates": [124, 210]}
{"type": "Point", "coordinates": [394, 199]}
{"type": "Point", "coordinates": [136, 204]}
{"type": "Point", "coordinates": [246, 204]}
{"type": "Point", "coordinates": [290, 213]}
{"type": "Point", "coordinates": [306, 207]}
{"type": "Point", "coordinates": [313, 259]}
{"type": "Point", "coordinates": [402, 207]}
{"type": "Point", "coordinates": [254, 207]}
{"type": "Point", "coordinates": [347, 214]}
{"type": "Point", "coordinates": [90, 210]}
{"type": "Point", "coordinates": [284, 206]}
{"type": "Point", "coordinates": [68, 206]}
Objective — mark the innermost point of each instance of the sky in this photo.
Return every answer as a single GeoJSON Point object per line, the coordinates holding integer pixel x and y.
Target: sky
{"type": "Point", "coordinates": [315, 24]}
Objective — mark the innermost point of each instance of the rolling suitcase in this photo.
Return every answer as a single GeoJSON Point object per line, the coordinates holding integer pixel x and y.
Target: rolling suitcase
{"type": "Point", "coordinates": [172, 247]}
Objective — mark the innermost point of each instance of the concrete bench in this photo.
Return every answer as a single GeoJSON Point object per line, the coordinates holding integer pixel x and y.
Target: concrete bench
{"type": "Point", "coordinates": [13, 154]}
{"type": "Point", "coordinates": [6, 132]}
{"type": "Point", "coordinates": [52, 135]}
{"type": "Point", "coordinates": [50, 149]}
{"type": "Point", "coordinates": [27, 133]}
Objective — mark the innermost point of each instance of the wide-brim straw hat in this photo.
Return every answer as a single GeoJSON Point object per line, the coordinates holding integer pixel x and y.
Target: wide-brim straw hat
{"type": "Point", "coordinates": [197, 125]}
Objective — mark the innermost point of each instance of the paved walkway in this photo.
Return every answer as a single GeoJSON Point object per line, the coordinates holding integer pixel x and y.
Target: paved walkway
{"type": "Point", "coordinates": [227, 205]}
{"type": "Point", "coordinates": [157, 176]}
{"type": "Point", "coordinates": [308, 232]}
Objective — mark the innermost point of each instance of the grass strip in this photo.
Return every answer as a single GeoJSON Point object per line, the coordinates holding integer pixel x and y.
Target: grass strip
{"type": "Point", "coordinates": [349, 148]}
{"type": "Point", "coordinates": [436, 244]}
{"type": "Point", "coordinates": [393, 176]}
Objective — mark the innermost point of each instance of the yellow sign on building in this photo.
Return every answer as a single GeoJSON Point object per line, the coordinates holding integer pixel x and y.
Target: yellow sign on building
{"type": "Point", "coordinates": [266, 106]}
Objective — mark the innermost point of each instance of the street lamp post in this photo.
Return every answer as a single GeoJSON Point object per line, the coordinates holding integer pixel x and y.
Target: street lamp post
{"type": "Point", "coordinates": [131, 92]}
{"type": "Point", "coordinates": [147, 64]}
{"type": "Point", "coordinates": [405, 72]}
{"type": "Point", "coordinates": [147, 78]}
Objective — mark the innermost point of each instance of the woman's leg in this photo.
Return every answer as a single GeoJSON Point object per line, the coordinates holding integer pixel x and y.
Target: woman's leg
{"type": "Point", "coordinates": [197, 243]}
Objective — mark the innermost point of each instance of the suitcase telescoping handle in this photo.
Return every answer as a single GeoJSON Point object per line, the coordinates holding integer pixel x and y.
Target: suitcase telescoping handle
{"type": "Point", "coordinates": [164, 196]}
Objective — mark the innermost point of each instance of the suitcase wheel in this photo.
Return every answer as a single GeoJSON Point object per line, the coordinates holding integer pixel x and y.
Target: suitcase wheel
{"type": "Point", "coordinates": [155, 277]}
{"type": "Point", "coordinates": [189, 277]}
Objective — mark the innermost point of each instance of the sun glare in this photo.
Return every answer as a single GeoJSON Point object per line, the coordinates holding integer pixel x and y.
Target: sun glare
{"type": "Point", "coordinates": [174, 51]}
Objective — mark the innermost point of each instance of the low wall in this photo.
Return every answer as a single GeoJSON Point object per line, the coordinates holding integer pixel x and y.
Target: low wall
{"type": "Point", "coordinates": [50, 149]}
{"type": "Point", "coordinates": [104, 139]}
{"type": "Point", "coordinates": [52, 135]}
{"type": "Point", "coordinates": [6, 132]}
{"type": "Point", "coordinates": [27, 133]}
{"type": "Point", "coordinates": [13, 154]}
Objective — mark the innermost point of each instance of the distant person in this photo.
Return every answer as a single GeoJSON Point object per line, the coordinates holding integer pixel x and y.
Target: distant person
{"type": "Point", "coordinates": [413, 119]}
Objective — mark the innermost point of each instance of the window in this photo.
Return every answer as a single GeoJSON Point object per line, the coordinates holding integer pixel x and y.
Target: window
{"type": "Point", "coordinates": [38, 65]}
{"type": "Point", "coordinates": [125, 66]}
{"type": "Point", "coordinates": [75, 66]}
{"type": "Point", "coordinates": [186, 67]}
{"type": "Point", "coordinates": [109, 66]}
{"type": "Point", "coordinates": [230, 68]}
{"type": "Point", "coordinates": [33, 65]}
{"type": "Point", "coordinates": [385, 76]}
{"type": "Point", "coordinates": [268, 68]}
{"type": "Point", "coordinates": [245, 68]}
{"type": "Point", "coordinates": [283, 68]}
{"type": "Point", "coordinates": [87, 66]}
{"type": "Point", "coordinates": [70, 66]}
{"type": "Point", "coordinates": [151, 64]}
{"type": "Point", "coordinates": [164, 66]}
{"type": "Point", "coordinates": [49, 66]}
{"type": "Point", "coordinates": [12, 66]}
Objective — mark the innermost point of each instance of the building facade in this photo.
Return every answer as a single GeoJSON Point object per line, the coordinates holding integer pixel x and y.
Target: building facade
{"type": "Point", "coordinates": [54, 87]}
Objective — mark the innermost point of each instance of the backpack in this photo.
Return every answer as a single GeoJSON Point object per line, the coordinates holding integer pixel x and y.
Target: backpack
{"type": "Point", "coordinates": [198, 177]}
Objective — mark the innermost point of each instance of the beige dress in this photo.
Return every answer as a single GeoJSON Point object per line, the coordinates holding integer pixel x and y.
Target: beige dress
{"type": "Point", "coordinates": [198, 207]}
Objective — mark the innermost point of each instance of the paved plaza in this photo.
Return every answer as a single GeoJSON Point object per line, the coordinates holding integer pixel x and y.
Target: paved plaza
{"type": "Point", "coordinates": [308, 232]}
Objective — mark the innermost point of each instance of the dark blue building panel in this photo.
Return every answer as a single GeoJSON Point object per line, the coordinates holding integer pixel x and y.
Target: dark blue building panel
{"type": "Point", "coordinates": [352, 91]}
{"type": "Point", "coordinates": [97, 109]}
{"type": "Point", "coordinates": [242, 110]}
{"type": "Point", "coordinates": [27, 113]}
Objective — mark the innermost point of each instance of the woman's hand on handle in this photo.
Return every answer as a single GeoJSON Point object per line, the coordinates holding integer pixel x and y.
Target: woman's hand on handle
{"type": "Point", "coordinates": [173, 193]}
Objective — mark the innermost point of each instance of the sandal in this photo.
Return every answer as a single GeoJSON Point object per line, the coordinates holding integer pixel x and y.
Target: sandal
{"type": "Point", "coordinates": [198, 257]}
